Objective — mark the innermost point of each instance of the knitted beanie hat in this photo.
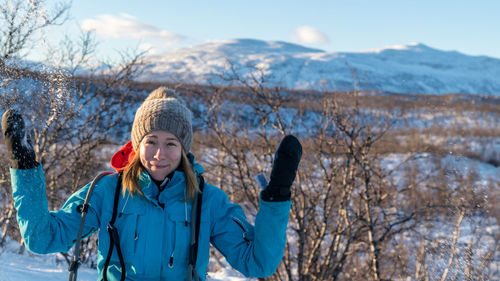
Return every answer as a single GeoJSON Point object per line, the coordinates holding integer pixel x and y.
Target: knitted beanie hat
{"type": "Point", "coordinates": [163, 110]}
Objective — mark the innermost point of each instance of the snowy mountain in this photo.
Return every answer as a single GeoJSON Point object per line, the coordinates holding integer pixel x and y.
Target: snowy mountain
{"type": "Point", "coordinates": [412, 68]}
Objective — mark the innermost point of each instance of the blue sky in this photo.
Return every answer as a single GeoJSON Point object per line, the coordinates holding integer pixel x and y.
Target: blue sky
{"type": "Point", "coordinates": [471, 27]}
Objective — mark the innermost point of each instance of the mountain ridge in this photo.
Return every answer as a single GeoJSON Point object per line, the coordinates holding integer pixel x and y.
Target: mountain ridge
{"type": "Point", "coordinates": [410, 68]}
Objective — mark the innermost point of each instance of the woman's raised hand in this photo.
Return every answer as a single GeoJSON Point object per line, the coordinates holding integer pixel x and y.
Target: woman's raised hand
{"type": "Point", "coordinates": [17, 142]}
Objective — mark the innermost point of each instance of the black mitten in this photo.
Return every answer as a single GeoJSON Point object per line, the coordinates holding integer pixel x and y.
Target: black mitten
{"type": "Point", "coordinates": [286, 162]}
{"type": "Point", "coordinates": [17, 142]}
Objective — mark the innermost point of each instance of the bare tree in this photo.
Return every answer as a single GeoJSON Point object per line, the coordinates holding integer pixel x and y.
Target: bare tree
{"type": "Point", "coordinates": [71, 116]}
{"type": "Point", "coordinates": [22, 21]}
{"type": "Point", "coordinates": [352, 217]}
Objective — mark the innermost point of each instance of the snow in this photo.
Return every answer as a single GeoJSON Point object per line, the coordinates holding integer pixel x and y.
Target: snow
{"type": "Point", "coordinates": [28, 266]}
{"type": "Point", "coordinates": [411, 68]}
{"type": "Point", "coordinates": [33, 267]}
{"type": "Point", "coordinates": [393, 47]}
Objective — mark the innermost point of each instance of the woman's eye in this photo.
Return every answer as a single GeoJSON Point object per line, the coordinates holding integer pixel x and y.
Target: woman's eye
{"type": "Point", "coordinates": [171, 144]}
{"type": "Point", "coordinates": [150, 142]}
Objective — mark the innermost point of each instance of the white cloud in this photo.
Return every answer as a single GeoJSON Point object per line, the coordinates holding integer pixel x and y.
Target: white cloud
{"type": "Point", "coordinates": [309, 35]}
{"type": "Point", "coordinates": [126, 26]}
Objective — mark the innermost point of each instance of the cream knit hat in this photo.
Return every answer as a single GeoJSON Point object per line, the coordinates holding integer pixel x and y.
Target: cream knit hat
{"type": "Point", "coordinates": [163, 110]}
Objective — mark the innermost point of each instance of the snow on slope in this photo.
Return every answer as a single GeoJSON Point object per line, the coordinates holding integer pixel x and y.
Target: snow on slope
{"type": "Point", "coordinates": [412, 68]}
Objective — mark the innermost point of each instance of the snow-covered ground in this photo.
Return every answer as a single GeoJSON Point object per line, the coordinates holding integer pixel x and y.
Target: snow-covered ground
{"type": "Point", "coordinates": [32, 267]}
{"type": "Point", "coordinates": [28, 267]}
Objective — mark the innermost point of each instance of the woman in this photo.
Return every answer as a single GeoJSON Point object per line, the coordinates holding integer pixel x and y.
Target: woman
{"type": "Point", "coordinates": [158, 187]}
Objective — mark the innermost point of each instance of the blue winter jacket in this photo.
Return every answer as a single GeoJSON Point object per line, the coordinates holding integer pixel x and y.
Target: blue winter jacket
{"type": "Point", "coordinates": [154, 229]}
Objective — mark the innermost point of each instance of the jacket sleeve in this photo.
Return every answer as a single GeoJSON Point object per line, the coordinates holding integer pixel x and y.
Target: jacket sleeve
{"type": "Point", "coordinates": [255, 251]}
{"type": "Point", "coordinates": [47, 231]}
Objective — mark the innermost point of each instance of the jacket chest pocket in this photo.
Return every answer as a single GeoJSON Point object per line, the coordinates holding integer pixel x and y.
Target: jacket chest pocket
{"type": "Point", "coordinates": [180, 237]}
{"type": "Point", "coordinates": [130, 226]}
{"type": "Point", "coordinates": [181, 240]}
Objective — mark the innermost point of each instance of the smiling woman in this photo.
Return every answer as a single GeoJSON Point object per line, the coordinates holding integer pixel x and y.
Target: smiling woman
{"type": "Point", "coordinates": [161, 226]}
{"type": "Point", "coordinates": [161, 135]}
{"type": "Point", "coordinates": [160, 153]}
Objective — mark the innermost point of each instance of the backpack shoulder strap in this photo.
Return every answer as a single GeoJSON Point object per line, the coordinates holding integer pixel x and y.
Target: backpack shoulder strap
{"type": "Point", "coordinates": [195, 231]}
{"type": "Point", "coordinates": [83, 209]}
{"type": "Point", "coordinates": [114, 238]}
{"type": "Point", "coordinates": [116, 199]}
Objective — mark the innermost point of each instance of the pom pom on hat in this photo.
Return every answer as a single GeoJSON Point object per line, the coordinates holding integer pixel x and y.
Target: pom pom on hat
{"type": "Point", "coordinates": [163, 93]}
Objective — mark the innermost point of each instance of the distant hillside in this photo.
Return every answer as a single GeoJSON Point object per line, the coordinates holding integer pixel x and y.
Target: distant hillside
{"type": "Point", "coordinates": [412, 68]}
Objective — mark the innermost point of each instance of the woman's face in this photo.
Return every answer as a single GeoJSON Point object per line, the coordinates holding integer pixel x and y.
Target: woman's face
{"type": "Point", "coordinates": [160, 153]}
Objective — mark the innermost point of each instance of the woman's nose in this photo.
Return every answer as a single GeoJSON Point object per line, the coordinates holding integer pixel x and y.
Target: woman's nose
{"type": "Point", "coordinates": [160, 153]}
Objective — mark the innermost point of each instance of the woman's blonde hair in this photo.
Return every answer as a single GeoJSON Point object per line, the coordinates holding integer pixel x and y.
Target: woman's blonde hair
{"type": "Point", "coordinates": [131, 174]}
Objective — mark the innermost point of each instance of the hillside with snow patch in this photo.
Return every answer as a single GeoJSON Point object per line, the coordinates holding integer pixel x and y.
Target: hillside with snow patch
{"type": "Point", "coordinates": [411, 68]}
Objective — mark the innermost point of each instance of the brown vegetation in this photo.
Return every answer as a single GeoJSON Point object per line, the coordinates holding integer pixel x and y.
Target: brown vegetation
{"type": "Point", "coordinates": [373, 198]}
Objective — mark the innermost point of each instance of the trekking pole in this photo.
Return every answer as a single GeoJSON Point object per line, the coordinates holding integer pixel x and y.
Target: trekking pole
{"type": "Point", "coordinates": [75, 262]}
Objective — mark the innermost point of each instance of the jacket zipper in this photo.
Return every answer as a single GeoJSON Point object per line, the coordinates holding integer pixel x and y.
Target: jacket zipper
{"type": "Point", "coordinates": [171, 260]}
{"type": "Point", "coordinates": [240, 224]}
